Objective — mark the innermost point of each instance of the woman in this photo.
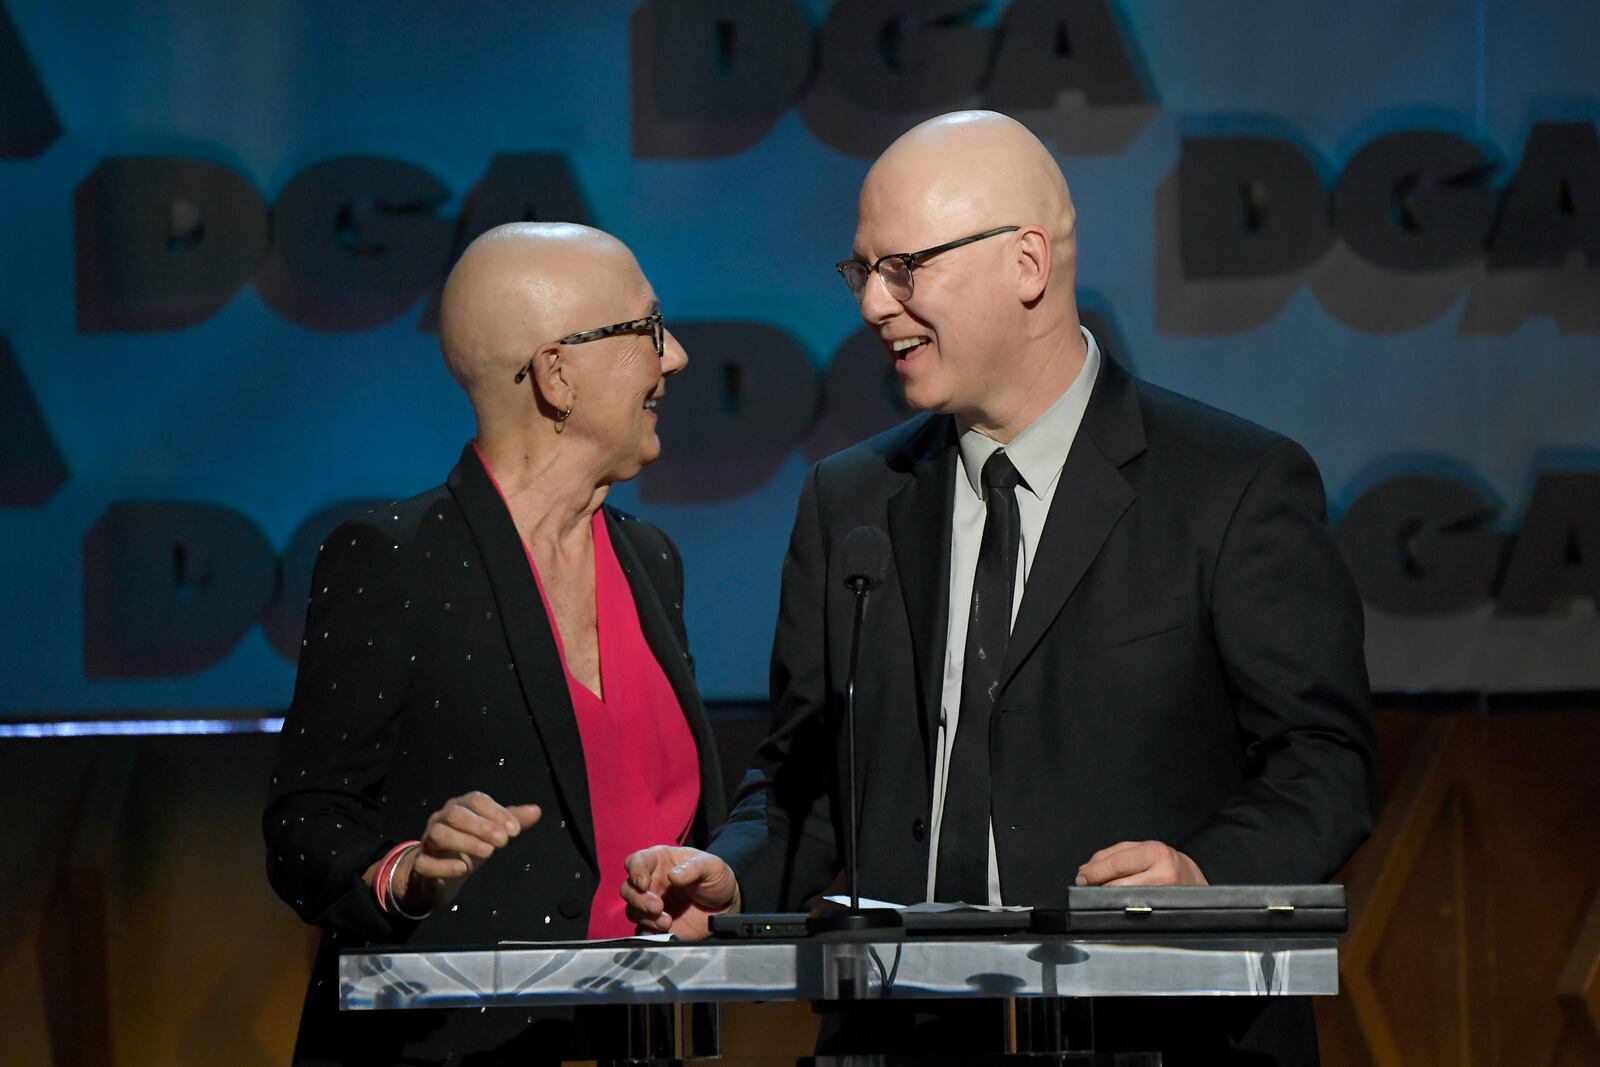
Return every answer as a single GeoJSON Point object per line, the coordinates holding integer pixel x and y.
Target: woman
{"type": "Point", "coordinates": [495, 703]}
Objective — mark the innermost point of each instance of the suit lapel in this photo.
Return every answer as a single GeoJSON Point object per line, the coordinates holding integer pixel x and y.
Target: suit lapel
{"type": "Point", "coordinates": [1089, 499]}
{"type": "Point", "coordinates": [917, 509]}
{"type": "Point", "coordinates": [662, 638]}
{"type": "Point", "coordinates": [529, 636]}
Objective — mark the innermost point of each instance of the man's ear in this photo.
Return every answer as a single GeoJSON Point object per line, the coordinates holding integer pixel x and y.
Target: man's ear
{"type": "Point", "coordinates": [1033, 263]}
{"type": "Point", "coordinates": [551, 386]}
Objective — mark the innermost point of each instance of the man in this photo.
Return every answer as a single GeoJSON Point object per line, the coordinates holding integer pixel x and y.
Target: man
{"type": "Point", "coordinates": [1116, 645]}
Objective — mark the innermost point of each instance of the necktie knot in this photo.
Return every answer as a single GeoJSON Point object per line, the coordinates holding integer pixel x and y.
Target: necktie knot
{"type": "Point", "coordinates": [999, 473]}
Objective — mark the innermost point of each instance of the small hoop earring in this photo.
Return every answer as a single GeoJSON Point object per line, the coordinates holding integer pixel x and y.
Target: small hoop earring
{"type": "Point", "coordinates": [563, 416]}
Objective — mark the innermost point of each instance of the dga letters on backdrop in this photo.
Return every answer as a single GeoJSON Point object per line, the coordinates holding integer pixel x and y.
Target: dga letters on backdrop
{"type": "Point", "coordinates": [219, 318]}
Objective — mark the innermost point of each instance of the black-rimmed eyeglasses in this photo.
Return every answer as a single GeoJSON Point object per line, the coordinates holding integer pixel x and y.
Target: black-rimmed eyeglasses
{"type": "Point", "coordinates": [896, 269]}
{"type": "Point", "coordinates": [651, 322]}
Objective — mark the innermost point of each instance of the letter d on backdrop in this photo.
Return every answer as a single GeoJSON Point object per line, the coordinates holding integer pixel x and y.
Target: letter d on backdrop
{"type": "Point", "coordinates": [163, 243]}
{"type": "Point", "coordinates": [1249, 207]}
{"type": "Point", "coordinates": [170, 588]}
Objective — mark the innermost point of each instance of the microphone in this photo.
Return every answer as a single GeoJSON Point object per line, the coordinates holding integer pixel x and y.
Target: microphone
{"type": "Point", "coordinates": [865, 558]}
{"type": "Point", "coordinates": [865, 563]}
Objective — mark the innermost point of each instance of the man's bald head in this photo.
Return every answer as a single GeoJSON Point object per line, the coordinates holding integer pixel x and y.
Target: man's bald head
{"type": "Point", "coordinates": [986, 329]}
{"type": "Point", "coordinates": [969, 171]}
{"type": "Point", "coordinates": [524, 284]}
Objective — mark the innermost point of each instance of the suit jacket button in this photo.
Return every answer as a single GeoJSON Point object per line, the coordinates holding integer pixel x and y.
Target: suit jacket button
{"type": "Point", "coordinates": [571, 904]}
{"type": "Point", "coordinates": [919, 829]}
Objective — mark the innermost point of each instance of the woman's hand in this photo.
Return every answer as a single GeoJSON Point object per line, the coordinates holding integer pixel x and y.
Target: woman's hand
{"type": "Point", "coordinates": [460, 838]}
{"type": "Point", "coordinates": [675, 890]}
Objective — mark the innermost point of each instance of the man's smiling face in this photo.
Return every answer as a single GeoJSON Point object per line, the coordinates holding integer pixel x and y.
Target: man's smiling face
{"type": "Point", "coordinates": [944, 337]}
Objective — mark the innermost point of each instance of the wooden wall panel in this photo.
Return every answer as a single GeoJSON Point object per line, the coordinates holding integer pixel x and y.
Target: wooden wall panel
{"type": "Point", "coordinates": [1469, 902]}
{"type": "Point", "coordinates": [1579, 984]}
{"type": "Point", "coordinates": [154, 938]}
{"type": "Point", "coordinates": [1475, 933]}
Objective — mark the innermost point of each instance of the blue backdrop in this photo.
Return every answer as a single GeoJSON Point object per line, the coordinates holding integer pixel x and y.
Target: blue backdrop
{"type": "Point", "coordinates": [277, 421]}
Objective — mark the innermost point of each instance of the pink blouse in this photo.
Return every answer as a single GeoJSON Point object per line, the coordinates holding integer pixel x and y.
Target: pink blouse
{"type": "Point", "coordinates": [644, 771]}
{"type": "Point", "coordinates": [643, 767]}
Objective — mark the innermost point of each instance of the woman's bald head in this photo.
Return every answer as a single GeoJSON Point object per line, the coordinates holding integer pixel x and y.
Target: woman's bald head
{"type": "Point", "coordinates": [523, 284]}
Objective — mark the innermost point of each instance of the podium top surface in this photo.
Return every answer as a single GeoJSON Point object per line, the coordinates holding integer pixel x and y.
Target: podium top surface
{"type": "Point", "coordinates": [816, 969]}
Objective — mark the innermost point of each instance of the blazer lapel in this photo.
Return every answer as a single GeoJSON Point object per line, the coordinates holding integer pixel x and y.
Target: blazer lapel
{"type": "Point", "coordinates": [528, 634]}
{"type": "Point", "coordinates": [918, 509]}
{"type": "Point", "coordinates": [1089, 499]}
{"type": "Point", "coordinates": [660, 635]}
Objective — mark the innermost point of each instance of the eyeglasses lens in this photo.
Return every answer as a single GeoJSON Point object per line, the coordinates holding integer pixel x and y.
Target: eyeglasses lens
{"type": "Point", "coordinates": [896, 273]}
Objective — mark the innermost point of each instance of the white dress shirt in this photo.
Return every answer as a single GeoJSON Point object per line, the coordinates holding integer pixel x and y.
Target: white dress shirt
{"type": "Point", "coordinates": [1038, 452]}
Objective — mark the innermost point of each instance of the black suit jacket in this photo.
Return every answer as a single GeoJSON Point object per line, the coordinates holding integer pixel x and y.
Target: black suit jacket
{"type": "Point", "coordinates": [429, 669]}
{"type": "Point", "coordinates": [1186, 665]}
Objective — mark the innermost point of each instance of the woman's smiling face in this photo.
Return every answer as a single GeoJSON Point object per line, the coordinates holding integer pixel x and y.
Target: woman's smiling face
{"type": "Point", "coordinates": [618, 382]}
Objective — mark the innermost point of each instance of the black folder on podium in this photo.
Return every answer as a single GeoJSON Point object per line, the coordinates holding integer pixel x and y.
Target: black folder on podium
{"type": "Point", "coordinates": [1105, 910]}
{"type": "Point", "coordinates": [1209, 909]}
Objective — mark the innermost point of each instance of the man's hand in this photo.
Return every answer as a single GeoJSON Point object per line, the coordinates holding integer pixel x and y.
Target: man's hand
{"type": "Point", "coordinates": [1140, 863]}
{"type": "Point", "coordinates": [459, 838]}
{"type": "Point", "coordinates": [675, 890]}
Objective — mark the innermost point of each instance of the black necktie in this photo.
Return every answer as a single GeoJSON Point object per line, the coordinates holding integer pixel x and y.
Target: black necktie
{"type": "Point", "coordinates": [963, 871]}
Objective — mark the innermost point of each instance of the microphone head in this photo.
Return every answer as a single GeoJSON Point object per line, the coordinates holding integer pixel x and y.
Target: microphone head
{"type": "Point", "coordinates": [865, 558]}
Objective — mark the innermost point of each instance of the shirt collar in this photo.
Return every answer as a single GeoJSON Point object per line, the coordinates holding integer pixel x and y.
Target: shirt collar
{"type": "Point", "coordinates": [1040, 451]}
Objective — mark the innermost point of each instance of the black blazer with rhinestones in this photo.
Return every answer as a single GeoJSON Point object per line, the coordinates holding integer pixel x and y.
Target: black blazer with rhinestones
{"type": "Point", "coordinates": [429, 670]}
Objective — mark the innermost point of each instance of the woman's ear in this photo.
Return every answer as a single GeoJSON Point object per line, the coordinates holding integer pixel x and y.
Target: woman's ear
{"type": "Point", "coordinates": [1033, 264]}
{"type": "Point", "coordinates": [551, 387]}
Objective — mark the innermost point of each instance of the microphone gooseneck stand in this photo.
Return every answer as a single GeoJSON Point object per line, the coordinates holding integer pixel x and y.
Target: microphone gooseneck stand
{"type": "Point", "coordinates": [866, 557]}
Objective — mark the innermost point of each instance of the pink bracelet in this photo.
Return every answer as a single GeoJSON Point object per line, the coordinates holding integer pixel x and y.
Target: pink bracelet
{"type": "Point", "coordinates": [380, 881]}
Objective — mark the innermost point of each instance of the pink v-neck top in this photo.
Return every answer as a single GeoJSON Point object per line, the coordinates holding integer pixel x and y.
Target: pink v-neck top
{"type": "Point", "coordinates": [643, 767]}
